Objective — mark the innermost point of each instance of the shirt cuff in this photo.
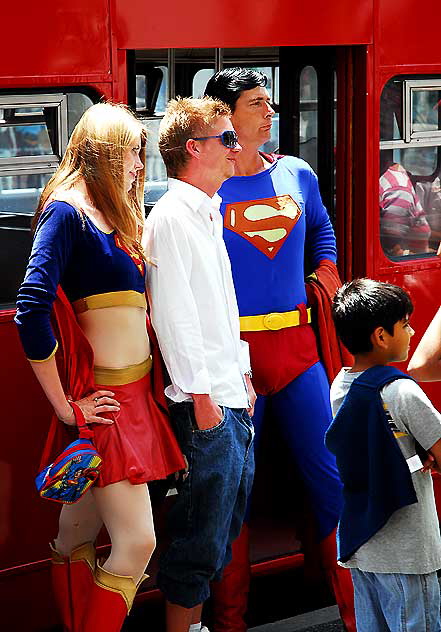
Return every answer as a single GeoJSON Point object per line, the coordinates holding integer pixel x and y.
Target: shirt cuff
{"type": "Point", "coordinates": [199, 383]}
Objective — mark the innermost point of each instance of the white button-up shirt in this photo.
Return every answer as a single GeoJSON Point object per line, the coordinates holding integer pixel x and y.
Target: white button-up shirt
{"type": "Point", "coordinates": [193, 302]}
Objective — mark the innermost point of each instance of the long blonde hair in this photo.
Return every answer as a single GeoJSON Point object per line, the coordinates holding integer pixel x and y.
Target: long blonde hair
{"type": "Point", "coordinates": [95, 154]}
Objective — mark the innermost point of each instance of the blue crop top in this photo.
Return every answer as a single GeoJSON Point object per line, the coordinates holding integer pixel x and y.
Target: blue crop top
{"type": "Point", "coordinates": [93, 267]}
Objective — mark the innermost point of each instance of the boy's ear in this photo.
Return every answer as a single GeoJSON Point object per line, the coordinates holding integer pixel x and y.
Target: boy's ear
{"type": "Point", "coordinates": [379, 337]}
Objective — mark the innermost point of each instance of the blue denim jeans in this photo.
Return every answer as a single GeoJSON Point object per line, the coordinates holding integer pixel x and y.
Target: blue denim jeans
{"type": "Point", "coordinates": [210, 506]}
{"type": "Point", "coordinates": [396, 602]}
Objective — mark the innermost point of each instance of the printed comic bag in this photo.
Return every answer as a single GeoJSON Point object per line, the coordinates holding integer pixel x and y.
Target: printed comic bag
{"type": "Point", "coordinates": [75, 470]}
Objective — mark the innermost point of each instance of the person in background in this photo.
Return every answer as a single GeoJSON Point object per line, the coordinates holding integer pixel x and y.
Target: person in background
{"type": "Point", "coordinates": [87, 269]}
{"type": "Point", "coordinates": [404, 228]}
{"type": "Point", "coordinates": [195, 316]}
{"type": "Point", "coordinates": [384, 426]}
{"type": "Point", "coordinates": [273, 215]}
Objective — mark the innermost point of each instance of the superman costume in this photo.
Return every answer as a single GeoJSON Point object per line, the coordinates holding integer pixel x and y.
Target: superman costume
{"type": "Point", "coordinates": [271, 220]}
{"type": "Point", "coordinates": [94, 270]}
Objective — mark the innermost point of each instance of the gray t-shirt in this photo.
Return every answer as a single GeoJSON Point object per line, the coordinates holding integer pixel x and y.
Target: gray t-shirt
{"type": "Point", "coordinates": [410, 541]}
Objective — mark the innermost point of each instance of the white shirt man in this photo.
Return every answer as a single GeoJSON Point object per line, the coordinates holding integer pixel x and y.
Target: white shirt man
{"type": "Point", "coordinates": [195, 315]}
{"type": "Point", "coordinates": [194, 308]}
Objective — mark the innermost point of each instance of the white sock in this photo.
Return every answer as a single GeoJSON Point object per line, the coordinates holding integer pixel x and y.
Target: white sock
{"type": "Point", "coordinates": [195, 627]}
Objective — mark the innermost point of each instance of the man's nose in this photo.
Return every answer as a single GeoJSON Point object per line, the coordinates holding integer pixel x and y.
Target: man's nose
{"type": "Point", "coordinates": [270, 111]}
{"type": "Point", "coordinates": [238, 148]}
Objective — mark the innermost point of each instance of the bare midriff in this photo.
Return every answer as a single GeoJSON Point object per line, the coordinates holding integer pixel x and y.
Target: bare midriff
{"type": "Point", "coordinates": [117, 335]}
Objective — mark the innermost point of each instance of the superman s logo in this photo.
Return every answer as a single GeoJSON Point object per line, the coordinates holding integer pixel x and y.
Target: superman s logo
{"type": "Point", "coordinates": [265, 223]}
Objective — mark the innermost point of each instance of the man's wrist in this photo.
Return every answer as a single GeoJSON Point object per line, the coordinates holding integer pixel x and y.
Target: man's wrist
{"type": "Point", "coordinates": [200, 398]}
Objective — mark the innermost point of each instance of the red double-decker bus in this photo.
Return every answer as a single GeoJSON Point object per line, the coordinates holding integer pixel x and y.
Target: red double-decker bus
{"type": "Point", "coordinates": [355, 87]}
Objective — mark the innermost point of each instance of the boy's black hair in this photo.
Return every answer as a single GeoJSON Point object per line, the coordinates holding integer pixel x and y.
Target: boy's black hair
{"type": "Point", "coordinates": [227, 85]}
{"type": "Point", "coordinates": [362, 305]}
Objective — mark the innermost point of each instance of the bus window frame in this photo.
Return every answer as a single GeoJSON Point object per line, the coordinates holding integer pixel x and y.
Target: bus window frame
{"type": "Point", "coordinates": [17, 164]}
{"type": "Point", "coordinates": [410, 86]}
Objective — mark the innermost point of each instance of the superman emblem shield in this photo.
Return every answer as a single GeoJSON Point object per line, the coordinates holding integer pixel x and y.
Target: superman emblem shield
{"type": "Point", "coordinates": [265, 223]}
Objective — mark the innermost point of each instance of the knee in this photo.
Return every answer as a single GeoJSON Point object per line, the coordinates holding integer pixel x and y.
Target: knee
{"type": "Point", "coordinates": [141, 544]}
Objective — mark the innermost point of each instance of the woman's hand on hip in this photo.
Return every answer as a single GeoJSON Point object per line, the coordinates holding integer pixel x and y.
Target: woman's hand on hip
{"type": "Point", "coordinates": [92, 405]}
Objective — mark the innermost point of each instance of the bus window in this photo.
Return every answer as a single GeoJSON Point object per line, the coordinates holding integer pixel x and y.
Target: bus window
{"type": "Point", "coordinates": [308, 116]}
{"type": "Point", "coordinates": [77, 104]}
{"type": "Point", "coordinates": [156, 175]}
{"type": "Point", "coordinates": [200, 80]}
{"type": "Point", "coordinates": [409, 188]}
{"type": "Point", "coordinates": [151, 98]}
{"type": "Point", "coordinates": [33, 135]}
{"type": "Point", "coordinates": [156, 74]}
{"type": "Point", "coordinates": [27, 132]}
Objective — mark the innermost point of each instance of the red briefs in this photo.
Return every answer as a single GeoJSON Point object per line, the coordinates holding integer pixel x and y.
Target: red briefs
{"type": "Point", "coordinates": [278, 357]}
{"type": "Point", "coordinates": [139, 446]}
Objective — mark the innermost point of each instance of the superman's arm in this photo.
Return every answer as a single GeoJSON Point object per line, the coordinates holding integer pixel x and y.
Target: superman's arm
{"type": "Point", "coordinates": [320, 239]}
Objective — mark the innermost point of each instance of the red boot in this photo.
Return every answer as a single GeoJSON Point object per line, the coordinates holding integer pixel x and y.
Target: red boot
{"type": "Point", "coordinates": [230, 595]}
{"type": "Point", "coordinates": [340, 580]}
{"type": "Point", "coordinates": [110, 601]}
{"type": "Point", "coordinates": [72, 580]}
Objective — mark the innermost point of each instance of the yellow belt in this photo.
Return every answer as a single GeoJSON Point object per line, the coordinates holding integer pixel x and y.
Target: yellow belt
{"type": "Point", "coordinates": [119, 377]}
{"type": "Point", "coordinates": [273, 321]}
{"type": "Point", "coordinates": [110, 299]}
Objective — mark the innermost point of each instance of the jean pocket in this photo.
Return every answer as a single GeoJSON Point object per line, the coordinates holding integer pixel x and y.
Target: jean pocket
{"type": "Point", "coordinates": [214, 430]}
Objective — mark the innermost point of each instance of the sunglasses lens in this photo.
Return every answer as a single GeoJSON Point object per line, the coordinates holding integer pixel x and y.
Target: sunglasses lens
{"type": "Point", "coordinates": [229, 139]}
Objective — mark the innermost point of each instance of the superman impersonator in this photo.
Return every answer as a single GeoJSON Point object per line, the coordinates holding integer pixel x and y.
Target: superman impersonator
{"type": "Point", "coordinates": [273, 216]}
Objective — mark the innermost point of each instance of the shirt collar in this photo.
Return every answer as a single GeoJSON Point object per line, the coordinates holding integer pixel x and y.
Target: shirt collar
{"type": "Point", "coordinates": [196, 198]}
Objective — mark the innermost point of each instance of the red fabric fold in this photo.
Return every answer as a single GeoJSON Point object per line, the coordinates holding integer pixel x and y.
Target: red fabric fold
{"type": "Point", "coordinates": [320, 291]}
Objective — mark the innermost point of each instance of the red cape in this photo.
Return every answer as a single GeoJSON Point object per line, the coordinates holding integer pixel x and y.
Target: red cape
{"type": "Point", "coordinates": [320, 291]}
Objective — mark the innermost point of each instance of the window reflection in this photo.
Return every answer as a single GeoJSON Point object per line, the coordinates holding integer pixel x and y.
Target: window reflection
{"type": "Point", "coordinates": [24, 140]}
{"type": "Point", "coordinates": [17, 198]}
{"type": "Point", "coordinates": [426, 110]}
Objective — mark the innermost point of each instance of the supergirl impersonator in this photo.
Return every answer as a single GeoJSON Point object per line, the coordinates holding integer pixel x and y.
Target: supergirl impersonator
{"type": "Point", "coordinates": [68, 248]}
{"type": "Point", "coordinates": [87, 272]}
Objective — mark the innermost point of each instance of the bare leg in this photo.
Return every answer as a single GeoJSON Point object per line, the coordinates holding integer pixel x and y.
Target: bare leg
{"type": "Point", "coordinates": [179, 618]}
{"type": "Point", "coordinates": [197, 614]}
{"type": "Point", "coordinates": [79, 523]}
{"type": "Point", "coordinates": [126, 511]}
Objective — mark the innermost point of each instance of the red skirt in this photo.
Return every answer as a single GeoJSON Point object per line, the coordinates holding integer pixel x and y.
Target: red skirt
{"type": "Point", "coordinates": [140, 445]}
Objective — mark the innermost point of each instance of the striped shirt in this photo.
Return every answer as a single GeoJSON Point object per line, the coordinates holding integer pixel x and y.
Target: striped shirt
{"type": "Point", "coordinates": [403, 223]}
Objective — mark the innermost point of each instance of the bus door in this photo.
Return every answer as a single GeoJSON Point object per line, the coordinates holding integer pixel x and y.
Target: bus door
{"type": "Point", "coordinates": [303, 84]}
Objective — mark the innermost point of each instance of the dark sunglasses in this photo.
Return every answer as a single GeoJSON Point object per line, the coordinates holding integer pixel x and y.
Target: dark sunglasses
{"type": "Point", "coordinates": [228, 138]}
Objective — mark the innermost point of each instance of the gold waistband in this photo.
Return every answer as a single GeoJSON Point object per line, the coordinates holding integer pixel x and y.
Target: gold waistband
{"type": "Point", "coordinates": [126, 375]}
{"type": "Point", "coordinates": [110, 299]}
{"type": "Point", "coordinates": [273, 321]}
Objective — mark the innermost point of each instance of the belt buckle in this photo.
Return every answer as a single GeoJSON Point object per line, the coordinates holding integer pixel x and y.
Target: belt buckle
{"type": "Point", "coordinates": [274, 321]}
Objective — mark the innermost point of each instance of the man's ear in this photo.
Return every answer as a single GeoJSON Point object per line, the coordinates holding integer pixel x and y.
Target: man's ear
{"type": "Point", "coordinates": [379, 337]}
{"type": "Point", "coordinates": [193, 148]}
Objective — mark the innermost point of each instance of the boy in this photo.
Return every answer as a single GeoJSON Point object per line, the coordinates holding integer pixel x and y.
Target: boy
{"type": "Point", "coordinates": [388, 532]}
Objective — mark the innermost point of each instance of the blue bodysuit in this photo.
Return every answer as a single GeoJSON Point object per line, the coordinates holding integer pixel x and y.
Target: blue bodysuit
{"type": "Point", "coordinates": [271, 220]}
